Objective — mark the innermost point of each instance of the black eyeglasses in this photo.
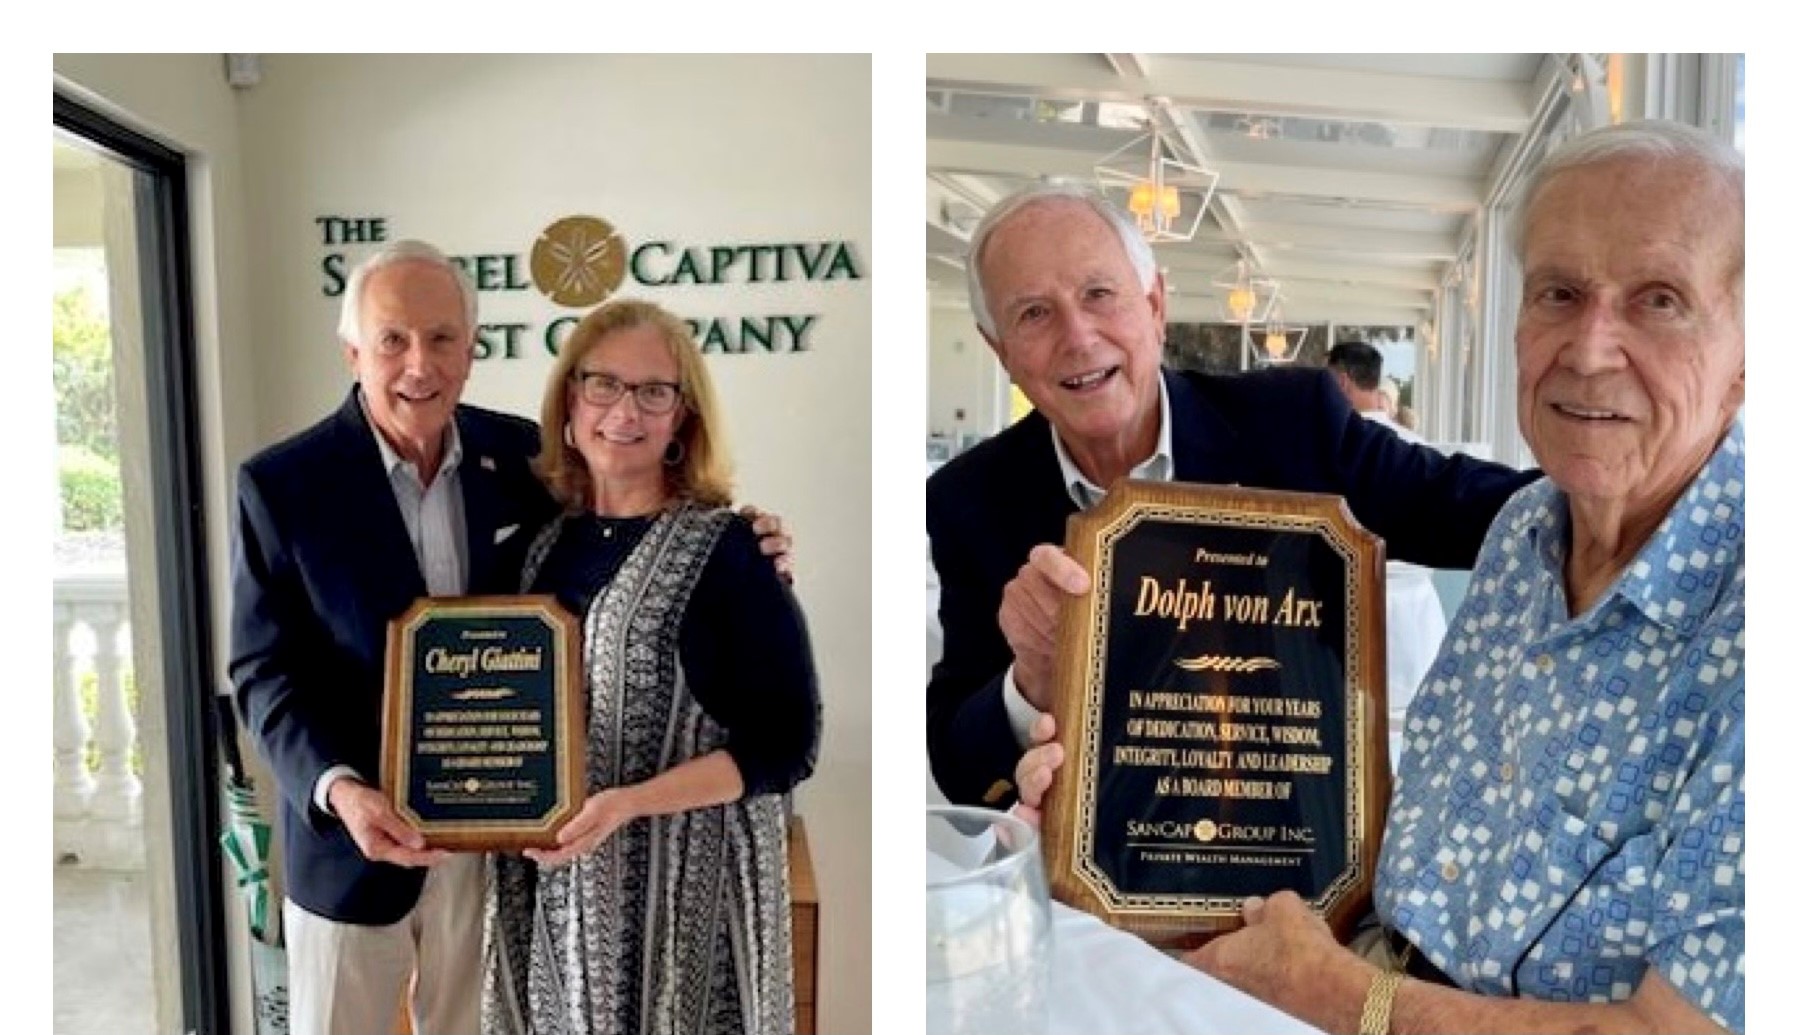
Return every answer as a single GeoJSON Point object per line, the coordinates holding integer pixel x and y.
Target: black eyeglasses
{"type": "Point", "coordinates": [600, 389]}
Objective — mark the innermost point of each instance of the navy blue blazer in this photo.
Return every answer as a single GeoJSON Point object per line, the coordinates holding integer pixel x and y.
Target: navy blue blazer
{"type": "Point", "coordinates": [320, 562]}
{"type": "Point", "coordinates": [1286, 428]}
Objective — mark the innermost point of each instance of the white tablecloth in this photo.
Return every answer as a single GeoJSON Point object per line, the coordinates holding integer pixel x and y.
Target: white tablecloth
{"type": "Point", "coordinates": [1108, 982]}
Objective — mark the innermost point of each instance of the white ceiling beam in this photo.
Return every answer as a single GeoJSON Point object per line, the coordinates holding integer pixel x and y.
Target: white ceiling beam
{"type": "Point", "coordinates": [1077, 136]}
{"type": "Point", "coordinates": [1314, 238]}
{"type": "Point", "coordinates": [969, 190]}
{"type": "Point", "coordinates": [971, 156]}
{"type": "Point", "coordinates": [1353, 274]}
{"type": "Point", "coordinates": [1209, 255]}
{"type": "Point", "coordinates": [1129, 66]}
{"type": "Point", "coordinates": [947, 289]}
{"type": "Point", "coordinates": [940, 202]}
{"type": "Point", "coordinates": [944, 241]}
{"type": "Point", "coordinates": [1440, 193]}
{"type": "Point", "coordinates": [1187, 309]}
{"type": "Point", "coordinates": [1314, 293]}
{"type": "Point", "coordinates": [1445, 194]}
{"type": "Point", "coordinates": [1365, 259]}
{"type": "Point", "coordinates": [1310, 292]}
{"type": "Point", "coordinates": [1067, 76]}
{"type": "Point", "coordinates": [1477, 104]}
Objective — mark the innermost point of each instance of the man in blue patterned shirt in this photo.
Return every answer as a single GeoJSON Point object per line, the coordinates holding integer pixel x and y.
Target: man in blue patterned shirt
{"type": "Point", "coordinates": [1564, 842]}
{"type": "Point", "coordinates": [1565, 834]}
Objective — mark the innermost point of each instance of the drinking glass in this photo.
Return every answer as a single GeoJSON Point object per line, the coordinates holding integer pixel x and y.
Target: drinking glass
{"type": "Point", "coordinates": [988, 943]}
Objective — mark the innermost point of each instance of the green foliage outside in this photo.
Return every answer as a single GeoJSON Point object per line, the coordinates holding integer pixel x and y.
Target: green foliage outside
{"type": "Point", "coordinates": [86, 414]}
{"type": "Point", "coordinates": [91, 498]}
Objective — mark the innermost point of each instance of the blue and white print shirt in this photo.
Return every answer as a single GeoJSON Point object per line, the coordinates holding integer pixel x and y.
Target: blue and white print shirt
{"type": "Point", "coordinates": [1569, 809]}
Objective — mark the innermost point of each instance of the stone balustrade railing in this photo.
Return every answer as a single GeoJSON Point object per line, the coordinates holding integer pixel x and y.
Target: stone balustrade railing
{"type": "Point", "coordinates": [98, 810]}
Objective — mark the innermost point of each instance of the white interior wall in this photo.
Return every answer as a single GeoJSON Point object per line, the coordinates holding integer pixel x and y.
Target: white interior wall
{"type": "Point", "coordinates": [477, 155]}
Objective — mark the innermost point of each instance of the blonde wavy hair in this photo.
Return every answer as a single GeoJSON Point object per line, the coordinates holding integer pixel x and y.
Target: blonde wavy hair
{"type": "Point", "coordinates": [703, 473]}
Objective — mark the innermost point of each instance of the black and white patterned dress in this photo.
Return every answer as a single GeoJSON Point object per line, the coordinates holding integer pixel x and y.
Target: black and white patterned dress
{"type": "Point", "coordinates": [681, 923]}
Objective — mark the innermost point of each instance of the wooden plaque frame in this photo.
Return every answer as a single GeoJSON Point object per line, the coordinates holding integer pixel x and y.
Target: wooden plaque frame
{"type": "Point", "coordinates": [561, 703]}
{"type": "Point", "coordinates": [1074, 808]}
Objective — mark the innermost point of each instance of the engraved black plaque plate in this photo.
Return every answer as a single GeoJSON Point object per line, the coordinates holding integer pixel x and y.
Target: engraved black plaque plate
{"type": "Point", "coordinates": [1221, 695]}
{"type": "Point", "coordinates": [484, 726]}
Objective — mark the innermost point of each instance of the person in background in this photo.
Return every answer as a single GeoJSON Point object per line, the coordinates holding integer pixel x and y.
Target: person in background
{"type": "Point", "coordinates": [1387, 400]}
{"type": "Point", "coordinates": [1414, 620]}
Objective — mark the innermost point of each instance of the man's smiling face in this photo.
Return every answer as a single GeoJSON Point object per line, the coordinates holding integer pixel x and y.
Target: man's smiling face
{"type": "Point", "coordinates": [1630, 347]}
{"type": "Point", "coordinates": [1077, 330]}
{"type": "Point", "coordinates": [413, 353]}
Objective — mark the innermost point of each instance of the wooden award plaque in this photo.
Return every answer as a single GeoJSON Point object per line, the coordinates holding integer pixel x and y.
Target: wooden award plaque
{"type": "Point", "coordinates": [484, 725]}
{"type": "Point", "coordinates": [1221, 695]}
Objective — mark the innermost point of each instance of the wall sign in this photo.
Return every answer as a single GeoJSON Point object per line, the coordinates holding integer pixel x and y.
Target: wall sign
{"type": "Point", "coordinates": [579, 261]}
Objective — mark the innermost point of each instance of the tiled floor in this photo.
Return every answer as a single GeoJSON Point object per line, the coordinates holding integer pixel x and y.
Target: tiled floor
{"type": "Point", "coordinates": [102, 962]}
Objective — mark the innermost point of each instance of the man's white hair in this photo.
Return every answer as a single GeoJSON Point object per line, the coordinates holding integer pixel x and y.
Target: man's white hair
{"type": "Point", "coordinates": [349, 315]}
{"type": "Point", "coordinates": [1141, 257]}
{"type": "Point", "coordinates": [1652, 140]}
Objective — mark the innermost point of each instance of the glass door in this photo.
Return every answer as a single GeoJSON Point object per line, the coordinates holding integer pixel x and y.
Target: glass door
{"type": "Point", "coordinates": [139, 931]}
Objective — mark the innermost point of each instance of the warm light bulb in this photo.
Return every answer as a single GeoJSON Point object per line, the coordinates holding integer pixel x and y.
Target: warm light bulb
{"type": "Point", "coordinates": [1276, 343]}
{"type": "Point", "coordinates": [1241, 302]}
{"type": "Point", "coordinates": [1142, 200]}
{"type": "Point", "coordinates": [1170, 203]}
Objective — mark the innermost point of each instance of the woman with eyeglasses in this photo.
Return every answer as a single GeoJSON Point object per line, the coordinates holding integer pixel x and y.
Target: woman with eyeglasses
{"type": "Point", "coordinates": [665, 907]}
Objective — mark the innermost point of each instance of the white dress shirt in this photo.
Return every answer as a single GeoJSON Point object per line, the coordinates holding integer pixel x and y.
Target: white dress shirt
{"type": "Point", "coordinates": [1415, 624]}
{"type": "Point", "coordinates": [437, 524]}
{"type": "Point", "coordinates": [1159, 467]}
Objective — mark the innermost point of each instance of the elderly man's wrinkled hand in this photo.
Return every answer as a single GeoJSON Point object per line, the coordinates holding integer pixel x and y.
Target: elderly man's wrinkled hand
{"type": "Point", "coordinates": [1286, 956]}
{"type": "Point", "coordinates": [1030, 613]}
{"type": "Point", "coordinates": [771, 536]}
{"type": "Point", "coordinates": [1036, 770]}
{"type": "Point", "coordinates": [380, 833]}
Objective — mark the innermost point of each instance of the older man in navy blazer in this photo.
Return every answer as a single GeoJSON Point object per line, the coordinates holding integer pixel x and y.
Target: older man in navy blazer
{"type": "Point", "coordinates": [1067, 293]}
{"type": "Point", "coordinates": [401, 493]}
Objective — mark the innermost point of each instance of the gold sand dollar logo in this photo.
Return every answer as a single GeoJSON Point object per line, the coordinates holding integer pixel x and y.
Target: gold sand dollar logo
{"type": "Point", "coordinates": [1204, 830]}
{"type": "Point", "coordinates": [578, 261]}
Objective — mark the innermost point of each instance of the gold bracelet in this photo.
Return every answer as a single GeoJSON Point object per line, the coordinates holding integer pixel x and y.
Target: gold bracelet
{"type": "Point", "coordinates": [1376, 1013]}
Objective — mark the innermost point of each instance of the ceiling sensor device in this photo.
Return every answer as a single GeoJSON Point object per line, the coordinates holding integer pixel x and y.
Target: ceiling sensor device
{"type": "Point", "coordinates": [243, 70]}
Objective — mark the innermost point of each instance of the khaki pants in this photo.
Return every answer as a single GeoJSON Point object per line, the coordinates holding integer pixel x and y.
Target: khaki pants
{"type": "Point", "coordinates": [351, 979]}
{"type": "Point", "coordinates": [1372, 945]}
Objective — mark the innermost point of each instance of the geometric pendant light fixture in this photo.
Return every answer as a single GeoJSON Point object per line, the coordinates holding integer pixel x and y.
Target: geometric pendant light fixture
{"type": "Point", "coordinates": [1167, 197]}
{"type": "Point", "coordinates": [1280, 342]}
{"type": "Point", "coordinates": [1243, 295]}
